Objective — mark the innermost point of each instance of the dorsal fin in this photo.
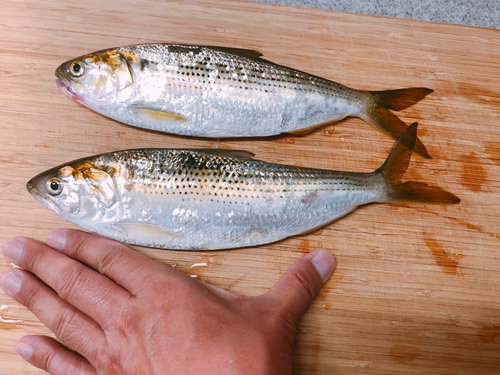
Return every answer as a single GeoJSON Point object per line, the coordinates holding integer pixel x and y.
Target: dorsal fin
{"type": "Point", "coordinates": [247, 53]}
{"type": "Point", "coordinates": [240, 154]}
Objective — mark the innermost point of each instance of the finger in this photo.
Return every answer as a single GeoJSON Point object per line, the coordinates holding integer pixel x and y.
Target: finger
{"type": "Point", "coordinates": [89, 292]}
{"type": "Point", "coordinates": [71, 326]}
{"type": "Point", "coordinates": [300, 284]}
{"type": "Point", "coordinates": [126, 267]}
{"type": "Point", "coordinates": [46, 354]}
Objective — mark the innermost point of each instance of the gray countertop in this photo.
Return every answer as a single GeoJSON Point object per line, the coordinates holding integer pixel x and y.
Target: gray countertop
{"type": "Point", "coordinates": [482, 13]}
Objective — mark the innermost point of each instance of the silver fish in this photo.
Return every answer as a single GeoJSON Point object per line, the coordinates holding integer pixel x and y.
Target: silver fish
{"type": "Point", "coordinates": [222, 92]}
{"type": "Point", "coordinates": [217, 199]}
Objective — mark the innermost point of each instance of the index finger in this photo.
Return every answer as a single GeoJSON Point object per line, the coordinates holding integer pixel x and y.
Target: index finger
{"type": "Point", "coordinates": [91, 293]}
{"type": "Point", "coordinates": [126, 267]}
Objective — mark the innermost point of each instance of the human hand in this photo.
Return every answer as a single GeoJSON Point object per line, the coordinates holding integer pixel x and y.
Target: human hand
{"type": "Point", "coordinates": [121, 312]}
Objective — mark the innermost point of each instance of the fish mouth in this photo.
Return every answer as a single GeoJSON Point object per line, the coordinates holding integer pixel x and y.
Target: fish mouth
{"type": "Point", "coordinates": [64, 82]}
{"type": "Point", "coordinates": [32, 189]}
{"type": "Point", "coordinates": [65, 87]}
{"type": "Point", "coordinates": [59, 72]}
{"type": "Point", "coordinates": [31, 186]}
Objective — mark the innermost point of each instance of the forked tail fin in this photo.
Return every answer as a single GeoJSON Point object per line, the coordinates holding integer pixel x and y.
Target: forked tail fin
{"type": "Point", "coordinates": [394, 168]}
{"type": "Point", "coordinates": [383, 119]}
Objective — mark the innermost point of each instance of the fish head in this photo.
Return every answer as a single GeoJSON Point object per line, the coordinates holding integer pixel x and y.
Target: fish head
{"type": "Point", "coordinates": [97, 80]}
{"type": "Point", "coordinates": [81, 192]}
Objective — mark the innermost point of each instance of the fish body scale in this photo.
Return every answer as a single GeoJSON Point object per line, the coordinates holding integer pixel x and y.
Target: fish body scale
{"type": "Point", "coordinates": [207, 201]}
{"type": "Point", "coordinates": [220, 94]}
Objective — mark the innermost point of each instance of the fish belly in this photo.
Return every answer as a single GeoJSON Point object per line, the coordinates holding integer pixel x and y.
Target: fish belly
{"type": "Point", "coordinates": [196, 221]}
{"type": "Point", "coordinates": [216, 109]}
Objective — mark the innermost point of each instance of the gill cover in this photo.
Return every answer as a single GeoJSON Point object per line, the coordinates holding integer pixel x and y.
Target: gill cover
{"type": "Point", "coordinates": [86, 193]}
{"type": "Point", "coordinates": [99, 197]}
{"type": "Point", "coordinates": [98, 79]}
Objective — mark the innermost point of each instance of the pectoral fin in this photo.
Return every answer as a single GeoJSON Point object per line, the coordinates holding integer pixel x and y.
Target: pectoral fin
{"type": "Point", "coordinates": [145, 230]}
{"type": "Point", "coordinates": [158, 114]}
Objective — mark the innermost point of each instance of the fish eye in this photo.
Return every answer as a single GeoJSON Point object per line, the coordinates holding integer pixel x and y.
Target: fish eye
{"type": "Point", "coordinates": [54, 186]}
{"type": "Point", "coordinates": [76, 69]}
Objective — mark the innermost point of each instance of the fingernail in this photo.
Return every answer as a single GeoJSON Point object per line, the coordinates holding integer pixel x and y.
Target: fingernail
{"type": "Point", "coordinates": [324, 262]}
{"type": "Point", "coordinates": [57, 239]}
{"type": "Point", "coordinates": [11, 282]}
{"type": "Point", "coordinates": [24, 350]}
{"type": "Point", "coordinates": [12, 249]}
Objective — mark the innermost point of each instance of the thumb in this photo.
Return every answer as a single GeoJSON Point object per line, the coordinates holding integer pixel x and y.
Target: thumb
{"type": "Point", "coordinates": [300, 284]}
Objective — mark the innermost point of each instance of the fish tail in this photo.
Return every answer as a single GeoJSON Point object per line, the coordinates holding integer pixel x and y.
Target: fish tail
{"type": "Point", "coordinates": [402, 98]}
{"type": "Point", "coordinates": [380, 116]}
{"type": "Point", "coordinates": [396, 165]}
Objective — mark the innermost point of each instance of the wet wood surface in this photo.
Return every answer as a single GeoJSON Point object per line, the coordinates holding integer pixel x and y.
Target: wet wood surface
{"type": "Point", "coordinates": [417, 287]}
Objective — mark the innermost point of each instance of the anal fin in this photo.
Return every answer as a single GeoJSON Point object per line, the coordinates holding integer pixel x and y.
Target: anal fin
{"type": "Point", "coordinates": [309, 129]}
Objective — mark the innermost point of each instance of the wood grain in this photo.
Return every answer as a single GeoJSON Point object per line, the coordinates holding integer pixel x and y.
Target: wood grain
{"type": "Point", "coordinates": [417, 288]}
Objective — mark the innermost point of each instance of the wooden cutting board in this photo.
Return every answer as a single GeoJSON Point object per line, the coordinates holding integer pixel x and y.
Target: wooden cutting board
{"type": "Point", "coordinates": [417, 287]}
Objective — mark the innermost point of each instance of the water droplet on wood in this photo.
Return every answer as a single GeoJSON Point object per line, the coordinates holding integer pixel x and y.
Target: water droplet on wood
{"type": "Point", "coordinates": [328, 132]}
{"type": "Point", "coordinates": [327, 305]}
